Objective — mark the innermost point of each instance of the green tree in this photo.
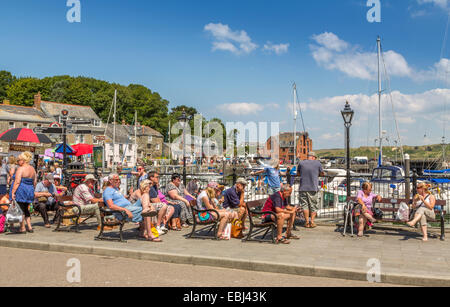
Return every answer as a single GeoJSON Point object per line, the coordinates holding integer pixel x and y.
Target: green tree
{"type": "Point", "coordinates": [6, 80]}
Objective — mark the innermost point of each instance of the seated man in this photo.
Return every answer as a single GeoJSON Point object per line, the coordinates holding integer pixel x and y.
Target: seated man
{"type": "Point", "coordinates": [234, 199]}
{"type": "Point", "coordinates": [164, 211]}
{"type": "Point", "coordinates": [277, 203]}
{"type": "Point", "coordinates": [116, 201]}
{"type": "Point", "coordinates": [83, 196]}
{"type": "Point", "coordinates": [45, 193]}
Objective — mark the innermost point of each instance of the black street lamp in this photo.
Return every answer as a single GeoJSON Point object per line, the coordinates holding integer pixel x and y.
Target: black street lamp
{"type": "Point", "coordinates": [347, 114]}
{"type": "Point", "coordinates": [184, 118]}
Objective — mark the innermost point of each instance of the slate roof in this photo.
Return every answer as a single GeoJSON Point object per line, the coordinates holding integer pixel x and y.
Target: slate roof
{"type": "Point", "coordinates": [23, 114]}
{"type": "Point", "coordinates": [143, 131]}
{"type": "Point", "coordinates": [122, 135]}
{"type": "Point", "coordinates": [54, 109]}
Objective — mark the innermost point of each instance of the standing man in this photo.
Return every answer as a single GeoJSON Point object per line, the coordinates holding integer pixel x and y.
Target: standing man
{"type": "Point", "coordinates": [309, 172]}
{"type": "Point", "coordinates": [272, 173]}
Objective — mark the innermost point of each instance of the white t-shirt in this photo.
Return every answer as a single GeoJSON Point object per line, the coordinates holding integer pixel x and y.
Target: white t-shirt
{"type": "Point", "coordinates": [200, 204]}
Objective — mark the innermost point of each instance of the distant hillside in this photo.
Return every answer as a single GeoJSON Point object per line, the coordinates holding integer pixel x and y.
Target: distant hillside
{"type": "Point", "coordinates": [415, 152]}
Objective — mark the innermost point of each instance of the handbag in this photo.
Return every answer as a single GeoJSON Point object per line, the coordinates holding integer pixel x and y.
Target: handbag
{"type": "Point", "coordinates": [236, 229]}
{"type": "Point", "coordinates": [378, 213]}
{"type": "Point", "coordinates": [14, 214]}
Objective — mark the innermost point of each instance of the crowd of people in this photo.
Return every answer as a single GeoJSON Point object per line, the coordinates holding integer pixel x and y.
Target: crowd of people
{"type": "Point", "coordinates": [157, 212]}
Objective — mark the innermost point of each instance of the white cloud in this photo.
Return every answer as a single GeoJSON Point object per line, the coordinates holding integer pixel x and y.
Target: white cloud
{"type": "Point", "coordinates": [237, 42]}
{"type": "Point", "coordinates": [241, 108]}
{"type": "Point", "coordinates": [278, 49]}
{"type": "Point", "coordinates": [330, 41]}
{"type": "Point", "coordinates": [246, 108]}
{"type": "Point", "coordinates": [332, 53]}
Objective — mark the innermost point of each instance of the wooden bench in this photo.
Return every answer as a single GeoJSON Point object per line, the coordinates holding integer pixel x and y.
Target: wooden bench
{"type": "Point", "coordinates": [64, 208]}
{"type": "Point", "coordinates": [112, 221]}
{"type": "Point", "coordinates": [391, 206]}
{"type": "Point", "coordinates": [267, 227]}
{"type": "Point", "coordinates": [213, 224]}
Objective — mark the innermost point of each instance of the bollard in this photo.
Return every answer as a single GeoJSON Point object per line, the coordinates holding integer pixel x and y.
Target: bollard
{"type": "Point", "coordinates": [414, 181]}
{"type": "Point", "coordinates": [407, 178]}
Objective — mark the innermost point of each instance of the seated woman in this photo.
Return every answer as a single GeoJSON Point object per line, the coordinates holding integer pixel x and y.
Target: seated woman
{"type": "Point", "coordinates": [60, 189]}
{"type": "Point", "coordinates": [365, 198]}
{"type": "Point", "coordinates": [176, 192]}
{"type": "Point", "coordinates": [423, 203]}
{"type": "Point", "coordinates": [141, 196]}
{"type": "Point", "coordinates": [205, 200]}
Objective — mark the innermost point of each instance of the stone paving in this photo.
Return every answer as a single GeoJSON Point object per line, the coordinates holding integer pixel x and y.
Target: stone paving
{"type": "Point", "coordinates": [321, 252]}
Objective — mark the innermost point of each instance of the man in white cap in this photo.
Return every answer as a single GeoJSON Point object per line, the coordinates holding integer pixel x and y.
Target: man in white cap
{"type": "Point", "coordinates": [84, 197]}
{"type": "Point", "coordinates": [309, 172]}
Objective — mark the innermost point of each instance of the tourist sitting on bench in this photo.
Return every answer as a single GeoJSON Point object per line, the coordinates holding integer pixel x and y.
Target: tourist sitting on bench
{"type": "Point", "coordinates": [83, 196]}
{"type": "Point", "coordinates": [423, 203]}
{"type": "Point", "coordinates": [278, 204]}
{"type": "Point", "coordinates": [45, 194]}
{"type": "Point", "coordinates": [364, 210]}
{"type": "Point", "coordinates": [176, 192]}
{"type": "Point", "coordinates": [205, 201]}
{"type": "Point", "coordinates": [60, 189]}
{"type": "Point", "coordinates": [234, 199]}
{"type": "Point", "coordinates": [117, 202]}
{"type": "Point", "coordinates": [162, 206]}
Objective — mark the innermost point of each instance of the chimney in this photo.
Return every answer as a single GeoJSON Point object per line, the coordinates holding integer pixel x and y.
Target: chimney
{"type": "Point", "coordinates": [6, 102]}
{"type": "Point", "coordinates": [37, 101]}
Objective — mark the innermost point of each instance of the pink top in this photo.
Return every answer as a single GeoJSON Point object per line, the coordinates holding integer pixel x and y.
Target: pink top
{"type": "Point", "coordinates": [367, 200]}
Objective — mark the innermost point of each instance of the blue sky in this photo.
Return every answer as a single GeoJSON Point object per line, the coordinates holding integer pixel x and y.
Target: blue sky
{"type": "Point", "coordinates": [236, 60]}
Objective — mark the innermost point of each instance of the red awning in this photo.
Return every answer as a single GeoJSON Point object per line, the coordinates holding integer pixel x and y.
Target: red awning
{"type": "Point", "coordinates": [83, 149]}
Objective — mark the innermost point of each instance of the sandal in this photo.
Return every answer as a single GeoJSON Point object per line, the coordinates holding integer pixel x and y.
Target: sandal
{"type": "Point", "coordinates": [313, 225]}
{"type": "Point", "coordinates": [158, 240]}
{"type": "Point", "coordinates": [222, 238]}
{"type": "Point", "coordinates": [293, 237]}
{"type": "Point", "coordinates": [308, 225]}
{"type": "Point", "coordinates": [283, 240]}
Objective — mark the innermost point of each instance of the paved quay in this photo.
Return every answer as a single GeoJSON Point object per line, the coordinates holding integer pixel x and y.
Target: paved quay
{"type": "Point", "coordinates": [321, 252]}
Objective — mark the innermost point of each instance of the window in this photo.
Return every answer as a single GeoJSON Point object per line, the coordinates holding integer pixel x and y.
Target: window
{"type": "Point", "coordinates": [60, 119]}
{"type": "Point", "coordinates": [150, 138]}
{"type": "Point", "coordinates": [157, 147]}
{"type": "Point", "coordinates": [95, 141]}
{"type": "Point", "coordinates": [25, 125]}
{"type": "Point", "coordinates": [39, 125]}
{"type": "Point", "coordinates": [149, 146]}
{"type": "Point", "coordinates": [97, 123]}
{"type": "Point", "coordinates": [80, 138]}
{"type": "Point", "coordinates": [11, 125]}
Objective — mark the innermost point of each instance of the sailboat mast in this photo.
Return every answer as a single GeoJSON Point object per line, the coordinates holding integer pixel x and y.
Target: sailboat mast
{"type": "Point", "coordinates": [295, 123]}
{"type": "Point", "coordinates": [135, 137]}
{"type": "Point", "coordinates": [114, 130]}
{"type": "Point", "coordinates": [380, 123]}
